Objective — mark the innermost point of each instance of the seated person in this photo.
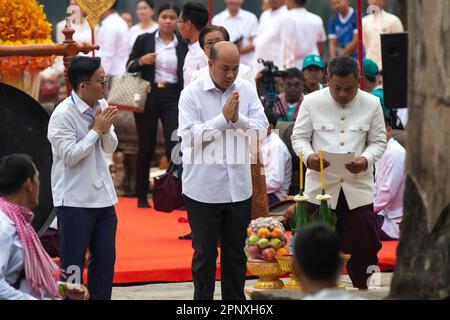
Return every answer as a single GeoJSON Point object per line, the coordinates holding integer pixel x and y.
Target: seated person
{"type": "Point", "coordinates": [210, 35]}
{"type": "Point", "coordinates": [390, 185]}
{"type": "Point", "coordinates": [313, 71]}
{"type": "Point", "coordinates": [318, 263]}
{"type": "Point", "coordinates": [277, 163]}
{"type": "Point", "coordinates": [371, 72]}
{"type": "Point", "coordinates": [292, 97]}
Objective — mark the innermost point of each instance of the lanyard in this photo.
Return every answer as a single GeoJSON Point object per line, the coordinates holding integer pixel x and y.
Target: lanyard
{"type": "Point", "coordinates": [86, 113]}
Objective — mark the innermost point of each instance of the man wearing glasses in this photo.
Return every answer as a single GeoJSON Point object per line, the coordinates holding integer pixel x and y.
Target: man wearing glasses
{"type": "Point", "coordinates": [207, 38]}
{"type": "Point", "coordinates": [81, 132]}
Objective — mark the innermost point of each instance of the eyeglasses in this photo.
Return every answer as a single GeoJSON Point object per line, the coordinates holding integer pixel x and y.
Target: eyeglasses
{"type": "Point", "coordinates": [210, 44]}
{"type": "Point", "coordinates": [103, 81]}
{"type": "Point", "coordinates": [180, 21]}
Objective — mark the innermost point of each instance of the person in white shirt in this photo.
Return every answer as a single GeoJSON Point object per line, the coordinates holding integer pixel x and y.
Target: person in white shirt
{"type": "Point", "coordinates": [193, 18]}
{"type": "Point", "coordinates": [207, 38]}
{"type": "Point", "coordinates": [144, 12]}
{"type": "Point", "coordinates": [219, 113]}
{"type": "Point", "coordinates": [303, 33]}
{"type": "Point", "coordinates": [342, 118]}
{"type": "Point", "coordinates": [277, 162]}
{"type": "Point", "coordinates": [81, 132]}
{"type": "Point", "coordinates": [242, 26]}
{"type": "Point", "coordinates": [390, 186]}
{"type": "Point", "coordinates": [113, 41]}
{"type": "Point", "coordinates": [318, 263]}
{"type": "Point", "coordinates": [374, 25]}
{"type": "Point", "coordinates": [268, 42]}
{"type": "Point", "coordinates": [26, 270]}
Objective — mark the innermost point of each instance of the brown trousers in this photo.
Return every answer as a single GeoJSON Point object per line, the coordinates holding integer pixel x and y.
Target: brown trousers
{"type": "Point", "coordinates": [358, 233]}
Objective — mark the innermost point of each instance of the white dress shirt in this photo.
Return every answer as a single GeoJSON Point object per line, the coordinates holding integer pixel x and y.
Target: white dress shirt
{"type": "Point", "coordinates": [11, 262]}
{"type": "Point", "coordinates": [373, 26]}
{"type": "Point", "coordinates": [166, 64]}
{"type": "Point", "coordinates": [331, 294]}
{"type": "Point", "coordinates": [245, 72]}
{"type": "Point", "coordinates": [136, 30]}
{"type": "Point", "coordinates": [114, 44]}
{"type": "Point", "coordinates": [268, 43]}
{"type": "Point", "coordinates": [277, 165]}
{"type": "Point", "coordinates": [216, 161]}
{"type": "Point", "coordinates": [80, 174]}
{"type": "Point", "coordinates": [195, 60]}
{"type": "Point", "coordinates": [356, 127]}
{"type": "Point", "coordinates": [301, 33]}
{"type": "Point", "coordinates": [243, 24]}
{"type": "Point", "coordinates": [390, 178]}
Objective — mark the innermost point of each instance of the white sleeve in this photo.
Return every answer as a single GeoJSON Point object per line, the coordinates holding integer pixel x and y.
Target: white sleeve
{"type": "Point", "coordinates": [8, 292]}
{"type": "Point", "coordinates": [303, 131]}
{"type": "Point", "coordinates": [376, 139]}
{"type": "Point", "coordinates": [62, 136]}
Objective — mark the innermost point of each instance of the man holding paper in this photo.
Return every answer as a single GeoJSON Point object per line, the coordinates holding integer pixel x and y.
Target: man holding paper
{"type": "Point", "coordinates": [343, 119]}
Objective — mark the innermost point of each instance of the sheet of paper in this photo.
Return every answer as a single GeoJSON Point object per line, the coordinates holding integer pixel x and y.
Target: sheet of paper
{"type": "Point", "coordinates": [338, 161]}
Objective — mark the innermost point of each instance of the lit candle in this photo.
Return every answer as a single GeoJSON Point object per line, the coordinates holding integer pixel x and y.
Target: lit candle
{"type": "Point", "coordinates": [301, 172]}
{"type": "Point", "coordinates": [322, 180]}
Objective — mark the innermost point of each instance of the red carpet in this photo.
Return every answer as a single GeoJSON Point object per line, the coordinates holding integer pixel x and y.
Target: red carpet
{"type": "Point", "coordinates": [148, 249]}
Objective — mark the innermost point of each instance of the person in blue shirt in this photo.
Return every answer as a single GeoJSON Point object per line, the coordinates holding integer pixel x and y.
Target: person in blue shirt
{"type": "Point", "coordinates": [343, 30]}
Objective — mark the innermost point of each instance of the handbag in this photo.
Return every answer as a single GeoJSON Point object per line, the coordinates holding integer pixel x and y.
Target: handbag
{"type": "Point", "coordinates": [167, 194]}
{"type": "Point", "coordinates": [129, 92]}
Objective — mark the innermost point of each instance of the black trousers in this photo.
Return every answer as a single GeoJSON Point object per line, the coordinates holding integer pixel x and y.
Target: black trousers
{"type": "Point", "coordinates": [210, 223]}
{"type": "Point", "coordinates": [358, 232]}
{"type": "Point", "coordinates": [162, 103]}
{"type": "Point", "coordinates": [82, 228]}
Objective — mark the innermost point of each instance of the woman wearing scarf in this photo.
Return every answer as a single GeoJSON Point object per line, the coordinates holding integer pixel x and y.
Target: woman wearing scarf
{"type": "Point", "coordinates": [26, 270]}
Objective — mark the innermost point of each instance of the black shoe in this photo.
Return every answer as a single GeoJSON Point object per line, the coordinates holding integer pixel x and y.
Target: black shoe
{"type": "Point", "coordinates": [143, 203]}
{"type": "Point", "coordinates": [186, 236]}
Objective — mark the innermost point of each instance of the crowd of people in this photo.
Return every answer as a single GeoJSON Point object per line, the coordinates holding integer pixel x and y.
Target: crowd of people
{"type": "Point", "coordinates": [207, 82]}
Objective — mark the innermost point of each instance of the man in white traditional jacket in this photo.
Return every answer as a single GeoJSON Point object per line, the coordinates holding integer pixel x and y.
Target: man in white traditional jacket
{"type": "Point", "coordinates": [342, 118]}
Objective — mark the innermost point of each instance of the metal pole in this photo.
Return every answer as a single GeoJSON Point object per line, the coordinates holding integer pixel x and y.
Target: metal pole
{"type": "Point", "coordinates": [360, 44]}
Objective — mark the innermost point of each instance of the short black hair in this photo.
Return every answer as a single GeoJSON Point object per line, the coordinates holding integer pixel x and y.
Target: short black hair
{"type": "Point", "coordinates": [196, 13]}
{"type": "Point", "coordinates": [15, 170]}
{"type": "Point", "coordinates": [317, 252]}
{"type": "Point", "coordinates": [300, 2]}
{"type": "Point", "coordinates": [209, 29]}
{"type": "Point", "coordinates": [271, 117]}
{"type": "Point", "coordinates": [148, 2]}
{"type": "Point", "coordinates": [343, 66]}
{"type": "Point", "coordinates": [114, 6]}
{"type": "Point", "coordinates": [168, 6]}
{"type": "Point", "coordinates": [81, 69]}
{"type": "Point", "coordinates": [294, 73]}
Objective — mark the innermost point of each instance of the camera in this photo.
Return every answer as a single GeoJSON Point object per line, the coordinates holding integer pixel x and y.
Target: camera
{"type": "Point", "coordinates": [271, 69]}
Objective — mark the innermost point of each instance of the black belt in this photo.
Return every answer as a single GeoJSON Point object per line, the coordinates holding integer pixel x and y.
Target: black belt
{"type": "Point", "coordinates": [164, 85]}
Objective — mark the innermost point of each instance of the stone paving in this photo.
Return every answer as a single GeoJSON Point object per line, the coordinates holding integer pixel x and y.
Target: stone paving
{"type": "Point", "coordinates": [185, 290]}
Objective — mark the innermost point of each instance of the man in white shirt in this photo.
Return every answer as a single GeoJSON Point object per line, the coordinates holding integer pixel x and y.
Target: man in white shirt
{"type": "Point", "coordinates": [390, 186]}
{"type": "Point", "coordinates": [342, 118]}
{"type": "Point", "coordinates": [193, 18]}
{"type": "Point", "coordinates": [218, 114]}
{"type": "Point", "coordinates": [242, 26]}
{"type": "Point", "coordinates": [303, 33]}
{"type": "Point", "coordinates": [81, 132]}
{"type": "Point", "coordinates": [207, 38]}
{"type": "Point", "coordinates": [318, 263]}
{"type": "Point", "coordinates": [374, 25]}
{"type": "Point", "coordinates": [114, 43]}
{"type": "Point", "coordinates": [277, 162]}
{"type": "Point", "coordinates": [268, 42]}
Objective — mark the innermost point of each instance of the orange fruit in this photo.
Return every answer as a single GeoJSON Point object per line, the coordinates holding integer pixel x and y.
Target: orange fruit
{"type": "Point", "coordinates": [277, 233]}
{"type": "Point", "coordinates": [264, 232]}
{"type": "Point", "coordinates": [249, 231]}
{"type": "Point", "coordinates": [282, 252]}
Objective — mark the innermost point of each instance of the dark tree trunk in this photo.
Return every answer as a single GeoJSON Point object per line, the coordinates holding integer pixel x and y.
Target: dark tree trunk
{"type": "Point", "coordinates": [423, 255]}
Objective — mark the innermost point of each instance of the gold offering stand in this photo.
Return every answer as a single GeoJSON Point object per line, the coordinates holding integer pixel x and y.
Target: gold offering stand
{"type": "Point", "coordinates": [268, 272]}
